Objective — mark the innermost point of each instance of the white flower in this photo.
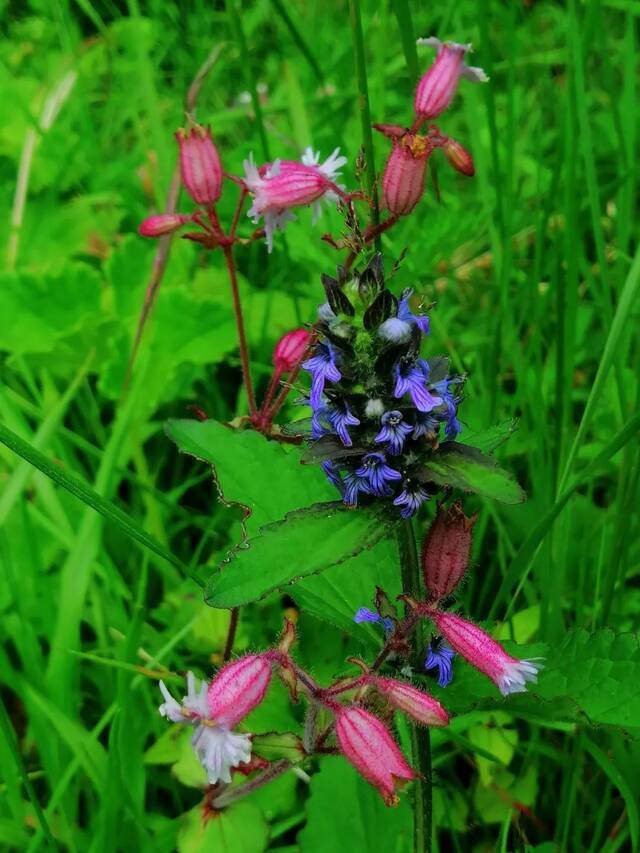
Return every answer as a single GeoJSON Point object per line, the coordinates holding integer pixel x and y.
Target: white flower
{"type": "Point", "coordinates": [374, 408]}
{"type": "Point", "coordinates": [217, 747]}
{"type": "Point", "coordinates": [515, 675]}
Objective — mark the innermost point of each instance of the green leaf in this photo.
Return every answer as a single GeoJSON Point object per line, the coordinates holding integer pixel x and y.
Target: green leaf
{"type": "Point", "coordinates": [487, 440]}
{"type": "Point", "coordinates": [336, 594]}
{"type": "Point", "coordinates": [69, 296]}
{"type": "Point", "coordinates": [358, 818]}
{"type": "Point", "coordinates": [305, 542]}
{"type": "Point", "coordinates": [246, 468]}
{"type": "Point", "coordinates": [89, 496]}
{"type": "Point", "coordinates": [276, 745]}
{"type": "Point", "coordinates": [241, 828]}
{"type": "Point", "coordinates": [462, 467]}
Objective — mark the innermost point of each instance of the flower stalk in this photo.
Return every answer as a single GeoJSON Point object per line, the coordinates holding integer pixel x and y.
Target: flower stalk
{"type": "Point", "coordinates": [420, 739]}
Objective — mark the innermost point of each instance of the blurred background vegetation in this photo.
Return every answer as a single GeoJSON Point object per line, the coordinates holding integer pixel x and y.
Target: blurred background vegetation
{"type": "Point", "coordinates": [527, 264]}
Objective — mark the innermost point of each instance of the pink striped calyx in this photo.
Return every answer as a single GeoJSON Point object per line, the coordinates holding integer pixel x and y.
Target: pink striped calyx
{"type": "Point", "coordinates": [238, 688]}
{"type": "Point", "coordinates": [410, 700]}
{"type": "Point", "coordinates": [164, 223]}
{"type": "Point", "coordinates": [403, 179]}
{"type": "Point", "coordinates": [509, 674]}
{"type": "Point", "coordinates": [200, 165]}
{"type": "Point", "coordinates": [446, 550]}
{"type": "Point", "coordinates": [289, 350]}
{"type": "Point", "coordinates": [368, 745]}
{"type": "Point", "coordinates": [459, 157]}
{"type": "Point", "coordinates": [439, 84]}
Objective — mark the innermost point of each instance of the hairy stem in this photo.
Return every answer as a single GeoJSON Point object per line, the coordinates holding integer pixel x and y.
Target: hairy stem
{"type": "Point", "coordinates": [420, 740]}
{"type": "Point", "coordinates": [242, 338]}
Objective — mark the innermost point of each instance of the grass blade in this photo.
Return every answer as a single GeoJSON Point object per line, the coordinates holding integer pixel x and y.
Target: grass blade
{"type": "Point", "coordinates": [90, 497]}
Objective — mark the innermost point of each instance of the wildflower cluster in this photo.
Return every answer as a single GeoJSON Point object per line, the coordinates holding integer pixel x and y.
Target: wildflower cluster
{"type": "Point", "coordinates": [445, 557]}
{"type": "Point", "coordinates": [379, 409]}
{"type": "Point", "coordinates": [345, 717]}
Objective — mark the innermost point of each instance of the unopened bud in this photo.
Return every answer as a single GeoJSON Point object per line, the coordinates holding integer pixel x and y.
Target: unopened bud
{"type": "Point", "coordinates": [439, 84]}
{"type": "Point", "coordinates": [289, 350]}
{"type": "Point", "coordinates": [413, 702]}
{"type": "Point", "coordinates": [165, 223]}
{"type": "Point", "coordinates": [446, 550]}
{"type": "Point", "coordinates": [238, 688]}
{"type": "Point", "coordinates": [459, 157]}
{"type": "Point", "coordinates": [200, 164]}
{"type": "Point", "coordinates": [367, 744]}
{"type": "Point", "coordinates": [403, 180]}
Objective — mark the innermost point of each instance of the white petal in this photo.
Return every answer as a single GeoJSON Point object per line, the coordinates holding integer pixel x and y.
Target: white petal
{"type": "Point", "coordinates": [170, 709]}
{"type": "Point", "coordinates": [310, 157]}
{"type": "Point", "coordinates": [251, 174]}
{"type": "Point", "coordinates": [515, 676]}
{"type": "Point", "coordinates": [218, 749]}
{"type": "Point", "coordinates": [332, 165]}
{"type": "Point", "coordinates": [473, 73]}
{"type": "Point", "coordinates": [432, 41]}
{"type": "Point", "coordinates": [273, 170]}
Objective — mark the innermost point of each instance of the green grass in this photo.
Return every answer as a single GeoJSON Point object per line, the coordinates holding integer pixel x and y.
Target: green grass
{"type": "Point", "coordinates": [534, 269]}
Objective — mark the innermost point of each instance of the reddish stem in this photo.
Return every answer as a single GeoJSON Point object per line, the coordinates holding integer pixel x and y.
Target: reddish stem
{"type": "Point", "coordinates": [242, 338]}
{"type": "Point", "coordinates": [231, 634]}
{"type": "Point", "coordinates": [371, 234]}
{"type": "Point", "coordinates": [237, 212]}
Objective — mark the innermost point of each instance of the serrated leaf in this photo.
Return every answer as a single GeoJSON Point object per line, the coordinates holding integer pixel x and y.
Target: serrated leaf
{"type": "Point", "coordinates": [462, 467]}
{"type": "Point", "coordinates": [305, 542]}
{"type": "Point", "coordinates": [487, 440]}
{"type": "Point", "coordinates": [246, 466]}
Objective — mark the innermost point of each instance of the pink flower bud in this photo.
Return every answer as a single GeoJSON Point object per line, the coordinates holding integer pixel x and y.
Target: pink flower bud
{"type": "Point", "coordinates": [367, 744]}
{"type": "Point", "coordinates": [509, 674]}
{"type": "Point", "coordinates": [290, 349]}
{"type": "Point", "coordinates": [165, 223]}
{"type": "Point", "coordinates": [411, 701]}
{"type": "Point", "coordinates": [403, 180]}
{"type": "Point", "coordinates": [200, 164]}
{"type": "Point", "coordinates": [238, 688]}
{"type": "Point", "coordinates": [459, 157]}
{"type": "Point", "coordinates": [438, 86]}
{"type": "Point", "coordinates": [446, 550]}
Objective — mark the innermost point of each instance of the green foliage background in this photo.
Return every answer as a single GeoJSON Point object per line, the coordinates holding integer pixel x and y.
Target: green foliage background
{"type": "Point", "coordinates": [531, 265]}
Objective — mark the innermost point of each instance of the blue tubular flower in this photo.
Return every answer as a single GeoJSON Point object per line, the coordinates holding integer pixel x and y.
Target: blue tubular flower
{"type": "Point", "coordinates": [394, 431]}
{"type": "Point", "coordinates": [411, 499]}
{"type": "Point", "coordinates": [322, 367]}
{"type": "Point", "coordinates": [440, 657]}
{"type": "Point", "coordinates": [333, 475]}
{"type": "Point", "coordinates": [405, 313]}
{"type": "Point", "coordinates": [340, 417]}
{"type": "Point", "coordinates": [453, 424]}
{"type": "Point", "coordinates": [366, 615]}
{"type": "Point", "coordinates": [377, 473]}
{"type": "Point", "coordinates": [353, 485]}
{"type": "Point", "coordinates": [425, 425]}
{"type": "Point", "coordinates": [411, 378]}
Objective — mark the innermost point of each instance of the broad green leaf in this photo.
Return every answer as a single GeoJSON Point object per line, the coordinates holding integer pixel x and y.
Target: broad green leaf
{"type": "Point", "coordinates": [38, 310]}
{"type": "Point", "coordinates": [337, 593]}
{"type": "Point", "coordinates": [345, 812]}
{"type": "Point", "coordinates": [487, 440]}
{"type": "Point", "coordinates": [240, 828]}
{"type": "Point", "coordinates": [466, 468]}
{"type": "Point", "coordinates": [305, 542]}
{"type": "Point", "coordinates": [496, 801]}
{"type": "Point", "coordinates": [262, 477]}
